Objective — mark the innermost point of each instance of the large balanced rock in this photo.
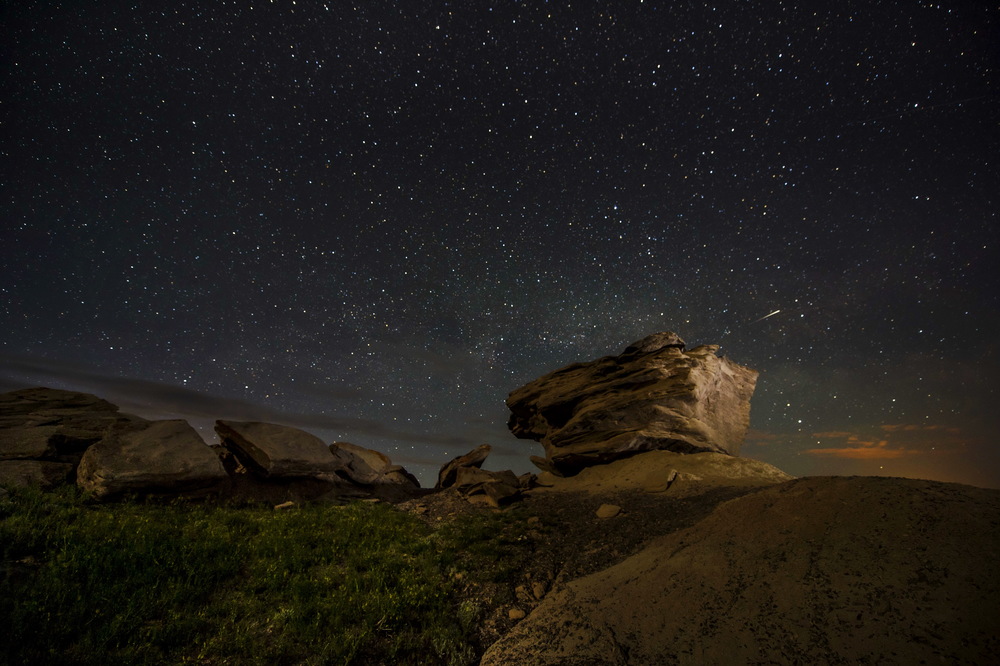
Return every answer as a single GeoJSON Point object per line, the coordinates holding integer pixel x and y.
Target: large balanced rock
{"type": "Point", "coordinates": [654, 395]}
{"type": "Point", "coordinates": [157, 458]}
{"type": "Point", "coordinates": [44, 432]}
{"type": "Point", "coordinates": [277, 450]}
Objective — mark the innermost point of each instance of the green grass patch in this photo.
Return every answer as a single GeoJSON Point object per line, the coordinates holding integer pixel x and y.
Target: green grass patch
{"type": "Point", "coordinates": [84, 583]}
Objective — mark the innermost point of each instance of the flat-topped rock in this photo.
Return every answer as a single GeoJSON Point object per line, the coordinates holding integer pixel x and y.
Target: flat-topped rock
{"type": "Point", "coordinates": [160, 457]}
{"type": "Point", "coordinates": [277, 450]}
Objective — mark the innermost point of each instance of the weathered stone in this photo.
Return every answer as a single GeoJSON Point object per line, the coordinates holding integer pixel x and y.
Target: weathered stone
{"type": "Point", "coordinates": [804, 572]}
{"type": "Point", "coordinates": [52, 424]}
{"type": "Point", "coordinates": [161, 457]}
{"type": "Point", "coordinates": [33, 400]}
{"type": "Point", "coordinates": [608, 511]}
{"type": "Point", "coordinates": [277, 450]}
{"type": "Point", "coordinates": [41, 473]}
{"type": "Point", "coordinates": [474, 458]}
{"type": "Point", "coordinates": [369, 467]}
{"type": "Point", "coordinates": [655, 395]}
{"type": "Point", "coordinates": [498, 487]}
{"type": "Point", "coordinates": [19, 442]}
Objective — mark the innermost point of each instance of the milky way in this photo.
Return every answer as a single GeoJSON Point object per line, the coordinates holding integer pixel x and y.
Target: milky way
{"type": "Point", "coordinates": [375, 221]}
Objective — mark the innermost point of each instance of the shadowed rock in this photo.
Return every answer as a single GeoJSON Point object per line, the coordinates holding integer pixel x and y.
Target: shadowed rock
{"type": "Point", "coordinates": [44, 432]}
{"type": "Point", "coordinates": [160, 457]}
{"type": "Point", "coordinates": [276, 450]}
{"type": "Point", "coordinates": [655, 395]}
{"type": "Point", "coordinates": [449, 471]}
{"type": "Point", "coordinates": [370, 467]}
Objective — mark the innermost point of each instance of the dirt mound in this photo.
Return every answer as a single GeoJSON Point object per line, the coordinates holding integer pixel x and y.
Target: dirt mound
{"type": "Point", "coordinates": [816, 570]}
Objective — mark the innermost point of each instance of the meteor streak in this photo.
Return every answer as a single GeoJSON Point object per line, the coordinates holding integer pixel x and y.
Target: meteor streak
{"type": "Point", "coordinates": [765, 316]}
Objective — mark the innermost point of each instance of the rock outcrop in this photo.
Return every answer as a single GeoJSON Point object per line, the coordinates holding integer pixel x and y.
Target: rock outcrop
{"type": "Point", "coordinates": [815, 570]}
{"type": "Point", "coordinates": [50, 437]}
{"type": "Point", "coordinates": [369, 467]}
{"type": "Point", "coordinates": [465, 474]}
{"type": "Point", "coordinates": [44, 433]}
{"type": "Point", "coordinates": [155, 458]}
{"type": "Point", "coordinates": [652, 396]}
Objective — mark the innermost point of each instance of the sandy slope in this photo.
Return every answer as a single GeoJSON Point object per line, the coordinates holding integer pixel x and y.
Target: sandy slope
{"type": "Point", "coordinates": [815, 570]}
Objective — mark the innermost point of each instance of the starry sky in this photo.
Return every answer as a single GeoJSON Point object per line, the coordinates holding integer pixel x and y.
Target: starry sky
{"type": "Point", "coordinates": [374, 220]}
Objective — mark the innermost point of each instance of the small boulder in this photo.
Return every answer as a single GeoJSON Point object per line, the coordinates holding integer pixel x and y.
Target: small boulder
{"type": "Point", "coordinates": [369, 467]}
{"type": "Point", "coordinates": [161, 457]}
{"type": "Point", "coordinates": [474, 458]}
{"type": "Point", "coordinates": [608, 510]}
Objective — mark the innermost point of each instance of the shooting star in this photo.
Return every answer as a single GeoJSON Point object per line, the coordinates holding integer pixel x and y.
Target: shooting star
{"type": "Point", "coordinates": [765, 316]}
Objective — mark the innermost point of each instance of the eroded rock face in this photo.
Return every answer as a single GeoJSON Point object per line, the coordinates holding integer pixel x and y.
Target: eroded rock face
{"type": "Point", "coordinates": [653, 396]}
{"type": "Point", "coordinates": [160, 457]}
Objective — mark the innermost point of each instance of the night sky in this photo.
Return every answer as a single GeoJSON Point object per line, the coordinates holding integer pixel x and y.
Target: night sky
{"type": "Point", "coordinates": [375, 220]}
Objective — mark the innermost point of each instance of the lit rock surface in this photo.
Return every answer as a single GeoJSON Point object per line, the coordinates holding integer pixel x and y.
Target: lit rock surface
{"type": "Point", "coordinates": [160, 457]}
{"type": "Point", "coordinates": [276, 450]}
{"type": "Point", "coordinates": [654, 395]}
{"type": "Point", "coordinates": [818, 570]}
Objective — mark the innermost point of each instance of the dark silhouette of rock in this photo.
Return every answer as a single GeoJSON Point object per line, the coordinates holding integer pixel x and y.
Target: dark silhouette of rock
{"type": "Point", "coordinates": [474, 458]}
{"type": "Point", "coordinates": [370, 467]}
{"type": "Point", "coordinates": [277, 451]}
{"type": "Point", "coordinates": [155, 458]}
{"type": "Point", "coordinates": [655, 395]}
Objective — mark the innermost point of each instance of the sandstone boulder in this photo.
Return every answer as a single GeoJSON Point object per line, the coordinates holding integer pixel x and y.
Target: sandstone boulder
{"type": "Point", "coordinates": [449, 471]}
{"type": "Point", "coordinates": [653, 396]}
{"type": "Point", "coordinates": [48, 429]}
{"type": "Point", "coordinates": [160, 457]}
{"type": "Point", "coordinates": [276, 450]}
{"type": "Point", "coordinates": [369, 467]}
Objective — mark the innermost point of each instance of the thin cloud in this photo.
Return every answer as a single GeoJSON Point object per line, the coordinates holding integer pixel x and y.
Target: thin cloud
{"type": "Point", "coordinates": [140, 395]}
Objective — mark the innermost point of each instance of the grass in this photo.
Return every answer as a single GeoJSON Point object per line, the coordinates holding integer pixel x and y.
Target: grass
{"type": "Point", "coordinates": [84, 583]}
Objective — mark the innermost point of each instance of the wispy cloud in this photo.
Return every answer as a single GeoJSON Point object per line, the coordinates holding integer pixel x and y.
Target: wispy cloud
{"type": "Point", "coordinates": [146, 397]}
{"type": "Point", "coordinates": [891, 441]}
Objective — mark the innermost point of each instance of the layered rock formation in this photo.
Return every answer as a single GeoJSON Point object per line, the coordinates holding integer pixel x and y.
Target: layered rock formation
{"type": "Point", "coordinates": [44, 432]}
{"type": "Point", "coordinates": [654, 395]}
